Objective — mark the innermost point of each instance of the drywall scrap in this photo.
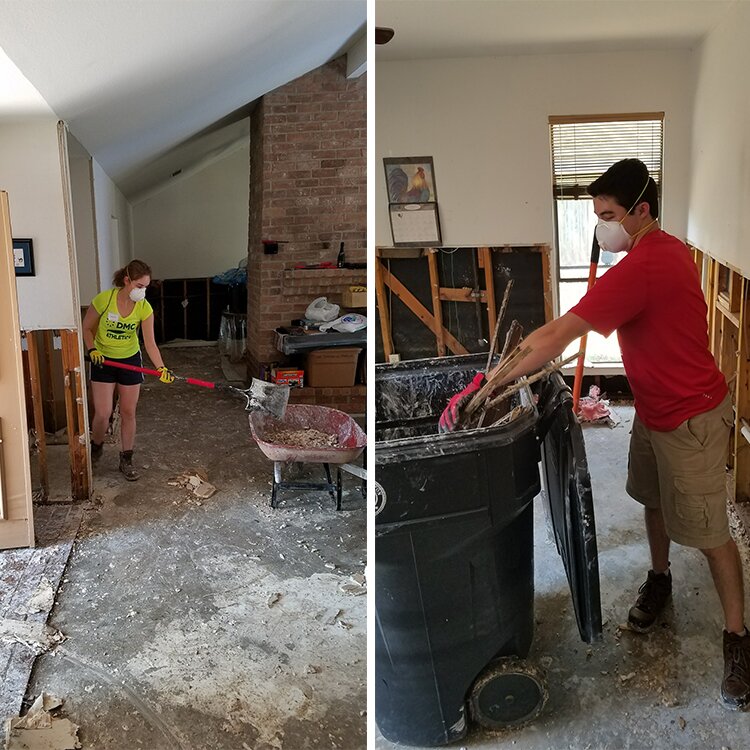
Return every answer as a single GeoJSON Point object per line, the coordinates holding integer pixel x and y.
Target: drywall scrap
{"type": "Point", "coordinates": [41, 600]}
{"type": "Point", "coordinates": [356, 585]}
{"type": "Point", "coordinates": [39, 730]}
{"type": "Point", "coordinates": [193, 481]}
{"type": "Point", "coordinates": [35, 635]}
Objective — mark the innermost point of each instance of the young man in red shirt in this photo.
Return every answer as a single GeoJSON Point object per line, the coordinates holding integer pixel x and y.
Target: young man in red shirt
{"type": "Point", "coordinates": [683, 413]}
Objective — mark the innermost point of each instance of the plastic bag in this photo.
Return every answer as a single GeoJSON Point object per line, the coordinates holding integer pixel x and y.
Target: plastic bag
{"type": "Point", "coordinates": [321, 310]}
{"type": "Point", "coordinates": [233, 336]}
{"type": "Point", "coordinates": [348, 323]}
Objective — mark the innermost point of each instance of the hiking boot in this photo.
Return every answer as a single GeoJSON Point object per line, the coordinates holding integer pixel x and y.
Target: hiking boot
{"type": "Point", "coordinates": [126, 466]}
{"type": "Point", "coordinates": [735, 687]}
{"type": "Point", "coordinates": [96, 451]}
{"type": "Point", "coordinates": [653, 596]}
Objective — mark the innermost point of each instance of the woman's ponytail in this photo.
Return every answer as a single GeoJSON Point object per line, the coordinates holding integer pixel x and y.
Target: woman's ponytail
{"type": "Point", "coordinates": [133, 270]}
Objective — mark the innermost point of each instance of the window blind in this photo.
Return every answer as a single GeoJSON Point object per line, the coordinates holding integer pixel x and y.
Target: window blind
{"type": "Point", "coordinates": [583, 148]}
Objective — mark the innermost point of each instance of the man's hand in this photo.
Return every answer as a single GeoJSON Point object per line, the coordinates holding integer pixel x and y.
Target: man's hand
{"type": "Point", "coordinates": [166, 375]}
{"type": "Point", "coordinates": [450, 415]}
{"type": "Point", "coordinates": [95, 356]}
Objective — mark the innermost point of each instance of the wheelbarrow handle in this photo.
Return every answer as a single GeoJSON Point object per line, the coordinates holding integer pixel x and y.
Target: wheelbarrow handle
{"type": "Point", "coordinates": [147, 371]}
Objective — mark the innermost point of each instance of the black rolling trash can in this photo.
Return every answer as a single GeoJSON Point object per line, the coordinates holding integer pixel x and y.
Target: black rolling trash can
{"type": "Point", "coordinates": [454, 551]}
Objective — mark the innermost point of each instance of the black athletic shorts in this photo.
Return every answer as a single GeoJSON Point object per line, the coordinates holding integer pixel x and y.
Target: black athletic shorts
{"type": "Point", "coordinates": [104, 374]}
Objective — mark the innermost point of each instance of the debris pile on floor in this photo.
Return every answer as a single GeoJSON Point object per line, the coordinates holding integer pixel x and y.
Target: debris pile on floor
{"type": "Point", "coordinates": [41, 600]}
{"type": "Point", "coordinates": [273, 599]}
{"type": "Point", "coordinates": [196, 482]}
{"type": "Point", "coordinates": [306, 437]}
{"type": "Point", "coordinates": [595, 408]}
{"type": "Point", "coordinates": [39, 730]}
{"type": "Point", "coordinates": [356, 585]}
{"type": "Point", "coordinates": [37, 636]}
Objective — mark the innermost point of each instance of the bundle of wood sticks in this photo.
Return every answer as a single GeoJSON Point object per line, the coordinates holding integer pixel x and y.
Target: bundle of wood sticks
{"type": "Point", "coordinates": [488, 397]}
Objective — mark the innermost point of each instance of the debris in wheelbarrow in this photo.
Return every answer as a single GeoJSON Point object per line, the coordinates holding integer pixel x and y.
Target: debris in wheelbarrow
{"type": "Point", "coordinates": [260, 395]}
{"type": "Point", "coordinates": [301, 418]}
{"type": "Point", "coordinates": [308, 437]}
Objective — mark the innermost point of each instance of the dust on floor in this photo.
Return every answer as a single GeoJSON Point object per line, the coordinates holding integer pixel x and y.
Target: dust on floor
{"type": "Point", "coordinates": [210, 622]}
{"type": "Point", "coordinates": [28, 579]}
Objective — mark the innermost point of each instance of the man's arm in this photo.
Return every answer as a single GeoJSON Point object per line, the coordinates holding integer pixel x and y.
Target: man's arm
{"type": "Point", "coordinates": [546, 343]}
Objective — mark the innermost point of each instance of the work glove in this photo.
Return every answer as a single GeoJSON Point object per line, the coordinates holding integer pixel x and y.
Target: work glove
{"type": "Point", "coordinates": [166, 375]}
{"type": "Point", "coordinates": [95, 356]}
{"type": "Point", "coordinates": [451, 413]}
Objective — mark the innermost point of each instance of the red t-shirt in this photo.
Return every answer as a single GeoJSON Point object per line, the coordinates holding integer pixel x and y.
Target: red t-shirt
{"type": "Point", "coordinates": [654, 300]}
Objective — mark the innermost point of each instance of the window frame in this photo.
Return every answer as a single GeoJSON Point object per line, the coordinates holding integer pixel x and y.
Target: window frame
{"type": "Point", "coordinates": [564, 192]}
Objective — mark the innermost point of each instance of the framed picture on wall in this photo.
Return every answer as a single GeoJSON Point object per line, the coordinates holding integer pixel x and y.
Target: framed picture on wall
{"type": "Point", "coordinates": [410, 179]}
{"type": "Point", "coordinates": [23, 257]}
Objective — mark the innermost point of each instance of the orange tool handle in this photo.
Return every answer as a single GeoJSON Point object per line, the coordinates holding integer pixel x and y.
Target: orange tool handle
{"type": "Point", "coordinates": [582, 346]}
{"type": "Point", "coordinates": [147, 371]}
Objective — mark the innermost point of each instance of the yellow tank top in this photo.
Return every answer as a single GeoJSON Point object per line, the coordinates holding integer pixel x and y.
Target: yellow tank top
{"type": "Point", "coordinates": [117, 337]}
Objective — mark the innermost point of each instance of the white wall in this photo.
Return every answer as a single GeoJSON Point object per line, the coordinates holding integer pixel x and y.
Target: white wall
{"type": "Point", "coordinates": [113, 227]}
{"type": "Point", "coordinates": [485, 123]}
{"type": "Point", "coordinates": [720, 179]}
{"type": "Point", "coordinates": [196, 225]}
{"type": "Point", "coordinates": [30, 171]}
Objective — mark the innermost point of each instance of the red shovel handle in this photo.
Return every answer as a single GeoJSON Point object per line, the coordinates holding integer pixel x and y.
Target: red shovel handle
{"type": "Point", "coordinates": [134, 368]}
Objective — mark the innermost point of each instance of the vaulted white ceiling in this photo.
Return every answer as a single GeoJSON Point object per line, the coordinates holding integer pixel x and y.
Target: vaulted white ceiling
{"type": "Point", "coordinates": [138, 80]}
{"type": "Point", "coordinates": [468, 28]}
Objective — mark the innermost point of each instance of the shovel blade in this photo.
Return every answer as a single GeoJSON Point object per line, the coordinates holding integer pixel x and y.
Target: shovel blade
{"type": "Point", "coordinates": [270, 397]}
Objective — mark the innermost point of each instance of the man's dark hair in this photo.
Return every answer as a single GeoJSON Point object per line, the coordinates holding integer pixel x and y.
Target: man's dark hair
{"type": "Point", "coordinates": [624, 181]}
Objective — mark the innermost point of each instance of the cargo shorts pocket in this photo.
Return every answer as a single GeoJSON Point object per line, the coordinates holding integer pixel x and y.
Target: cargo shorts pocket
{"type": "Point", "coordinates": [699, 500]}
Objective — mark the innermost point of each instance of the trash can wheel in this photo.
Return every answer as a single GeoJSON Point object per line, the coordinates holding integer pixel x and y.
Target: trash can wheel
{"type": "Point", "coordinates": [509, 693]}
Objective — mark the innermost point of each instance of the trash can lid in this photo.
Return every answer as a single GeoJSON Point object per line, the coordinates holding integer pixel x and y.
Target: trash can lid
{"type": "Point", "coordinates": [566, 491]}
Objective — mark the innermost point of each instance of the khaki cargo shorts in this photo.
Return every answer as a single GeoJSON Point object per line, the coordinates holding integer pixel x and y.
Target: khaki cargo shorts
{"type": "Point", "coordinates": [684, 472]}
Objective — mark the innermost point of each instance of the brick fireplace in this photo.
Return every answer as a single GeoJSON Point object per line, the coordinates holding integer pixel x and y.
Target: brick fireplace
{"type": "Point", "coordinates": [308, 191]}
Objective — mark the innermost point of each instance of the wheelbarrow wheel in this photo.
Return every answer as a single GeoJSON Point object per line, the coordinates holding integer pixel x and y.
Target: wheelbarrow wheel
{"type": "Point", "coordinates": [508, 694]}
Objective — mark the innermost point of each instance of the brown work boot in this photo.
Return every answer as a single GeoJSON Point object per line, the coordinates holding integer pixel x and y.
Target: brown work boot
{"type": "Point", "coordinates": [735, 687]}
{"type": "Point", "coordinates": [126, 466]}
{"type": "Point", "coordinates": [653, 597]}
{"type": "Point", "coordinates": [96, 451]}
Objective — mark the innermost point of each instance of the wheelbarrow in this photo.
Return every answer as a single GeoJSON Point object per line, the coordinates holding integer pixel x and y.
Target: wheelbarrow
{"type": "Point", "coordinates": [350, 437]}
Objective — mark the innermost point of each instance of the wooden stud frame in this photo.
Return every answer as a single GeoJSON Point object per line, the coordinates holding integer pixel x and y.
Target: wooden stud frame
{"type": "Point", "coordinates": [36, 400]}
{"type": "Point", "coordinates": [741, 444]}
{"type": "Point", "coordinates": [421, 311]}
{"type": "Point", "coordinates": [74, 410]}
{"type": "Point", "coordinates": [437, 309]}
{"type": "Point", "coordinates": [485, 262]}
{"type": "Point", "coordinates": [383, 311]}
{"type": "Point", "coordinates": [726, 292]}
{"type": "Point", "coordinates": [444, 340]}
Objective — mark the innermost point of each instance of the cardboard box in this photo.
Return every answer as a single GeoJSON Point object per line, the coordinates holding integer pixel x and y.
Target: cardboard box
{"type": "Point", "coordinates": [332, 368]}
{"type": "Point", "coordinates": [350, 298]}
{"type": "Point", "coordinates": [289, 376]}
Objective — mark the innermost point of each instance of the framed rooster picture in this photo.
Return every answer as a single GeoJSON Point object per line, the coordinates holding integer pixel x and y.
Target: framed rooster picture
{"type": "Point", "coordinates": [410, 179]}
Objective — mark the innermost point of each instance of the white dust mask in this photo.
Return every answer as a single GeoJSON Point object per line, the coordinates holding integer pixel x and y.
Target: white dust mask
{"type": "Point", "coordinates": [137, 294]}
{"type": "Point", "coordinates": [612, 235]}
{"type": "Point", "coordinates": [614, 238]}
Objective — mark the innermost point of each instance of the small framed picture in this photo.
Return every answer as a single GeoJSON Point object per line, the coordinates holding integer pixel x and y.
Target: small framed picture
{"type": "Point", "coordinates": [410, 179]}
{"type": "Point", "coordinates": [23, 257]}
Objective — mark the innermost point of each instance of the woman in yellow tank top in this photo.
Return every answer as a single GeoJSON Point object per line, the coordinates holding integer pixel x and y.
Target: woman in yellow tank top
{"type": "Point", "coordinates": [110, 330]}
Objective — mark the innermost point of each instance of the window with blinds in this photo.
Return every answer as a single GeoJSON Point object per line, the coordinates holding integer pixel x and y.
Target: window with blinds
{"type": "Point", "coordinates": [583, 148]}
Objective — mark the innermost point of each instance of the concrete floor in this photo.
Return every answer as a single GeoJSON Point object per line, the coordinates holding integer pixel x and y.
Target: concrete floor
{"type": "Point", "coordinates": [631, 691]}
{"type": "Point", "coordinates": [215, 623]}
